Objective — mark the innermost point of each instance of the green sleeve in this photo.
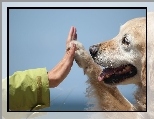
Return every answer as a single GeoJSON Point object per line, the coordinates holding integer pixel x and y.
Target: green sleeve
{"type": "Point", "coordinates": [29, 90]}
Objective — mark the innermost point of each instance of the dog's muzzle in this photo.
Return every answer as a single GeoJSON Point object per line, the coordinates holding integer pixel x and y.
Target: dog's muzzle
{"type": "Point", "coordinates": [93, 50]}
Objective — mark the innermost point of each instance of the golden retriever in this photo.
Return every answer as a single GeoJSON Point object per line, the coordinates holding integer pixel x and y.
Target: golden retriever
{"type": "Point", "coordinates": [123, 59]}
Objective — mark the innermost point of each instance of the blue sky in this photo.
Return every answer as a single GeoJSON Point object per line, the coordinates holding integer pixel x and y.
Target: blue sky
{"type": "Point", "coordinates": [37, 39]}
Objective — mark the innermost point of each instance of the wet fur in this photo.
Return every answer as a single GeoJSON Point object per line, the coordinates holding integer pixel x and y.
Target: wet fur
{"type": "Point", "coordinates": [150, 82]}
{"type": "Point", "coordinates": [114, 53]}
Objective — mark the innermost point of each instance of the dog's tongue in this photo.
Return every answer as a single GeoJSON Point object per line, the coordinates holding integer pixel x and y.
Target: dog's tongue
{"type": "Point", "coordinates": [100, 78]}
{"type": "Point", "coordinates": [105, 74]}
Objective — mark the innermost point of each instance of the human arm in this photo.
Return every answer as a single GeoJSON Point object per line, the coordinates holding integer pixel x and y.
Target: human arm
{"type": "Point", "coordinates": [29, 89]}
{"type": "Point", "coordinates": [61, 70]}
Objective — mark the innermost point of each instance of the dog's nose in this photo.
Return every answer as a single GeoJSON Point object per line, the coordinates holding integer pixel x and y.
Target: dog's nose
{"type": "Point", "coordinates": [93, 50]}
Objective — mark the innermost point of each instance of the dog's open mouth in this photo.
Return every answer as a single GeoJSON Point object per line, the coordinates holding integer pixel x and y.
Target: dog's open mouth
{"type": "Point", "coordinates": [117, 75]}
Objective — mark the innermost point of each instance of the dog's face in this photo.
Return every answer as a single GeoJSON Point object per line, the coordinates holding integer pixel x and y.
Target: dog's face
{"type": "Point", "coordinates": [124, 56]}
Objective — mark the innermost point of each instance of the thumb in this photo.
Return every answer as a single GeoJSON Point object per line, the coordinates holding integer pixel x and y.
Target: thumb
{"type": "Point", "coordinates": [72, 50]}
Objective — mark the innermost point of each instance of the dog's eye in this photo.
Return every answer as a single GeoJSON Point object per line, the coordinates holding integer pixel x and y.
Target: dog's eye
{"type": "Point", "coordinates": [125, 41]}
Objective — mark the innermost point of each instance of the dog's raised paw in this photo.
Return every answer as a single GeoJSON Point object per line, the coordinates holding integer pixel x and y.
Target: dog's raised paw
{"type": "Point", "coordinates": [77, 43]}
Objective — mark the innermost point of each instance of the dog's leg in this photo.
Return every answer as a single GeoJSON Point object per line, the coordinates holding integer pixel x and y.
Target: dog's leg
{"type": "Point", "coordinates": [109, 98]}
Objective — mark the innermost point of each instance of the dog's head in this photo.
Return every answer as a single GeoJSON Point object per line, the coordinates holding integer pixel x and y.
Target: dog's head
{"type": "Point", "coordinates": [124, 57]}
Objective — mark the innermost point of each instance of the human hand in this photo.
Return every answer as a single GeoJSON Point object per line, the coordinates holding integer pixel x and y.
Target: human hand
{"type": "Point", "coordinates": [61, 70]}
{"type": "Point", "coordinates": [70, 51]}
{"type": "Point", "coordinates": [71, 36]}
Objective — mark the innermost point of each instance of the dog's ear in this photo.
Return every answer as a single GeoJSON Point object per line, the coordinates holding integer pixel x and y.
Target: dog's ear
{"type": "Point", "coordinates": [143, 71]}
